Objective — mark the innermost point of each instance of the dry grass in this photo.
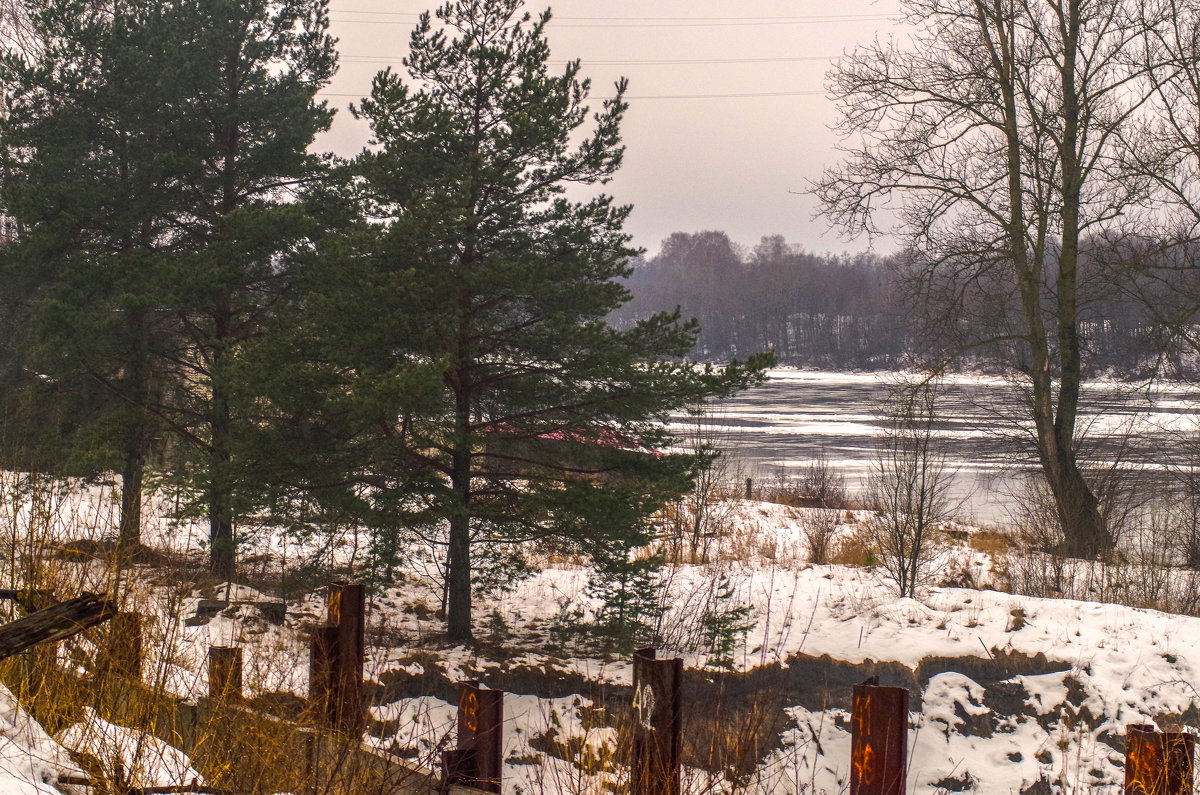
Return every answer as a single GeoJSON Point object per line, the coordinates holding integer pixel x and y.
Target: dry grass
{"type": "Point", "coordinates": [992, 542]}
{"type": "Point", "coordinates": [855, 549]}
{"type": "Point", "coordinates": [56, 537]}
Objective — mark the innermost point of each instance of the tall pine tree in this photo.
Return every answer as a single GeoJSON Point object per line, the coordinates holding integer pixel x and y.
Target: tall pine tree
{"type": "Point", "coordinates": [156, 153]}
{"type": "Point", "coordinates": [247, 75]}
{"type": "Point", "coordinates": [88, 188]}
{"type": "Point", "coordinates": [543, 418]}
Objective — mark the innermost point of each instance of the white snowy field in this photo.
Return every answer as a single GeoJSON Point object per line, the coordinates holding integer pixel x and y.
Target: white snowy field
{"type": "Point", "coordinates": [1010, 693]}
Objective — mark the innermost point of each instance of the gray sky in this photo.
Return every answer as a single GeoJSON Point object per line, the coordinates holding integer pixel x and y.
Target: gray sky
{"type": "Point", "coordinates": [693, 160]}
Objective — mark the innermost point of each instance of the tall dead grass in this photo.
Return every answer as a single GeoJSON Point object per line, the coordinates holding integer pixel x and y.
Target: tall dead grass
{"type": "Point", "coordinates": [57, 540]}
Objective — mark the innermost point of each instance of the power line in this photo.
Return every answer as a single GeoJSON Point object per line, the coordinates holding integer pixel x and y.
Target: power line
{"type": "Point", "coordinates": [654, 20]}
{"type": "Point", "coordinates": [725, 24]}
{"type": "Point", "coordinates": [667, 96]}
{"type": "Point", "coordinates": [631, 62]}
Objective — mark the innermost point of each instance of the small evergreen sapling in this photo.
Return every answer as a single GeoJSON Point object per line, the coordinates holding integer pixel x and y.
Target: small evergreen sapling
{"type": "Point", "coordinates": [725, 625]}
{"type": "Point", "coordinates": [630, 588]}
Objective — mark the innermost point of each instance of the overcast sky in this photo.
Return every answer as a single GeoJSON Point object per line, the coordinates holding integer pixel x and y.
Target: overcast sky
{"type": "Point", "coordinates": [728, 117]}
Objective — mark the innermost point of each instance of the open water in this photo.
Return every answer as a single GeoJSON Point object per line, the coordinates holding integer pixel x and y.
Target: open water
{"type": "Point", "coordinates": [776, 429]}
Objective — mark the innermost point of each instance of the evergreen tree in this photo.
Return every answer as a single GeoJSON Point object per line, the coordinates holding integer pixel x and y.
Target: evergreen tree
{"type": "Point", "coordinates": [724, 625]}
{"type": "Point", "coordinates": [629, 589]}
{"type": "Point", "coordinates": [87, 186]}
{"type": "Point", "coordinates": [541, 418]}
{"type": "Point", "coordinates": [157, 151]}
{"type": "Point", "coordinates": [247, 74]}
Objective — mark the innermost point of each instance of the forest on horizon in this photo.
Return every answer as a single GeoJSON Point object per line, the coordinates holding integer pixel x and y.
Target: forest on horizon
{"type": "Point", "coordinates": [852, 311]}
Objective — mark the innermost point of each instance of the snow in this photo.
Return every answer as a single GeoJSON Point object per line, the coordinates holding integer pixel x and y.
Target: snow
{"type": "Point", "coordinates": [1103, 666]}
{"type": "Point", "coordinates": [145, 760]}
{"type": "Point", "coordinates": [31, 762]}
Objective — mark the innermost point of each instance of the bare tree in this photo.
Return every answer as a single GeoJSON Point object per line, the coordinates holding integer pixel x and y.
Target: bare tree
{"type": "Point", "coordinates": [997, 142]}
{"type": "Point", "coordinates": [16, 34]}
{"type": "Point", "coordinates": [909, 488]}
{"type": "Point", "coordinates": [701, 515]}
{"type": "Point", "coordinates": [1167, 155]}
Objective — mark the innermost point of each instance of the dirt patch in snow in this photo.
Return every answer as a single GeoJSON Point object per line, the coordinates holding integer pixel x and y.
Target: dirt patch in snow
{"type": "Point", "coordinates": [747, 716]}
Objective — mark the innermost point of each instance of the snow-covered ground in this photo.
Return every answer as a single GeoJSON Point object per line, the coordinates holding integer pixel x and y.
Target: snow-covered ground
{"type": "Point", "coordinates": [1007, 690]}
{"type": "Point", "coordinates": [32, 762]}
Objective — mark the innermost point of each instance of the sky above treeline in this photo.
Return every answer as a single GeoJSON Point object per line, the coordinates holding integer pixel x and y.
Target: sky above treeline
{"type": "Point", "coordinates": [728, 118]}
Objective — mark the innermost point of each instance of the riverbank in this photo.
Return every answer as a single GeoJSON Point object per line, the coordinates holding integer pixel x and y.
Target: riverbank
{"type": "Point", "coordinates": [1010, 690]}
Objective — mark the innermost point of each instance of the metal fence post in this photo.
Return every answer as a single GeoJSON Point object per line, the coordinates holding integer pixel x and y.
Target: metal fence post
{"type": "Point", "coordinates": [125, 645]}
{"type": "Point", "coordinates": [878, 739]}
{"type": "Point", "coordinates": [479, 758]}
{"type": "Point", "coordinates": [225, 672]}
{"type": "Point", "coordinates": [1158, 763]}
{"type": "Point", "coordinates": [347, 612]}
{"type": "Point", "coordinates": [657, 724]}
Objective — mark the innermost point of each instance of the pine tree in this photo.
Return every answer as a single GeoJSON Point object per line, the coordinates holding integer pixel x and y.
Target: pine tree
{"type": "Point", "coordinates": [542, 418]}
{"type": "Point", "coordinates": [156, 153]}
{"type": "Point", "coordinates": [86, 186]}
{"type": "Point", "coordinates": [725, 624]}
{"type": "Point", "coordinates": [627, 583]}
{"type": "Point", "coordinates": [247, 74]}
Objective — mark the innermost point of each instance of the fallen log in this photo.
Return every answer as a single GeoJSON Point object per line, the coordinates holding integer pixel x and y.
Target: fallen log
{"type": "Point", "coordinates": [55, 623]}
{"type": "Point", "coordinates": [28, 599]}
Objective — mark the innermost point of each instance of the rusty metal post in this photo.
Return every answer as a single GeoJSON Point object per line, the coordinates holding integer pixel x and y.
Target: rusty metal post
{"type": "Point", "coordinates": [125, 645]}
{"type": "Point", "coordinates": [878, 739]}
{"type": "Point", "coordinates": [225, 672]}
{"type": "Point", "coordinates": [478, 760]}
{"type": "Point", "coordinates": [1158, 763]}
{"type": "Point", "coordinates": [347, 612]}
{"type": "Point", "coordinates": [749, 488]}
{"type": "Point", "coordinates": [657, 724]}
{"type": "Point", "coordinates": [321, 674]}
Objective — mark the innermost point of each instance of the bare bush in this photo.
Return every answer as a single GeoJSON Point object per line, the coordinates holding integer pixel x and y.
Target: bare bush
{"type": "Point", "coordinates": [819, 522]}
{"type": "Point", "coordinates": [693, 525]}
{"type": "Point", "coordinates": [1144, 571]}
{"type": "Point", "coordinates": [909, 488]}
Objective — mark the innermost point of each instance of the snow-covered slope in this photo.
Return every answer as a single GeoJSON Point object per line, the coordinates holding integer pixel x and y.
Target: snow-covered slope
{"type": "Point", "coordinates": [1010, 693]}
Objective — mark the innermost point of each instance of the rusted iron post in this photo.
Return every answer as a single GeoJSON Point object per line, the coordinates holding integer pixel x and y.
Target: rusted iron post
{"type": "Point", "coordinates": [321, 658]}
{"type": "Point", "coordinates": [878, 739]}
{"type": "Point", "coordinates": [479, 758]}
{"type": "Point", "coordinates": [347, 612]}
{"type": "Point", "coordinates": [657, 724]}
{"type": "Point", "coordinates": [749, 488]}
{"type": "Point", "coordinates": [225, 672]}
{"type": "Point", "coordinates": [125, 645]}
{"type": "Point", "coordinates": [1158, 763]}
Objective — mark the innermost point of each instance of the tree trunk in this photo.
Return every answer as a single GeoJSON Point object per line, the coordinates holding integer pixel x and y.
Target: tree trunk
{"type": "Point", "coordinates": [133, 465]}
{"type": "Point", "coordinates": [132, 477]}
{"type": "Point", "coordinates": [222, 560]}
{"type": "Point", "coordinates": [459, 560]}
{"type": "Point", "coordinates": [1083, 527]}
{"type": "Point", "coordinates": [1085, 534]}
{"type": "Point", "coordinates": [458, 613]}
{"type": "Point", "coordinates": [458, 569]}
{"type": "Point", "coordinates": [222, 546]}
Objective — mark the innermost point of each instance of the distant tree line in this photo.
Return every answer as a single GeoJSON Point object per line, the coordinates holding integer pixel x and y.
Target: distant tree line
{"type": "Point", "coordinates": [865, 312]}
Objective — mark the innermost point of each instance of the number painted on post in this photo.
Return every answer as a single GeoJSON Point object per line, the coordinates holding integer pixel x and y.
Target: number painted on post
{"type": "Point", "coordinates": [469, 706]}
{"type": "Point", "coordinates": [643, 706]}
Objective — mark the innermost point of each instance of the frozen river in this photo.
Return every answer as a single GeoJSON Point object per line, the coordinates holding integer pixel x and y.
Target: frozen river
{"type": "Point", "coordinates": [780, 426]}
